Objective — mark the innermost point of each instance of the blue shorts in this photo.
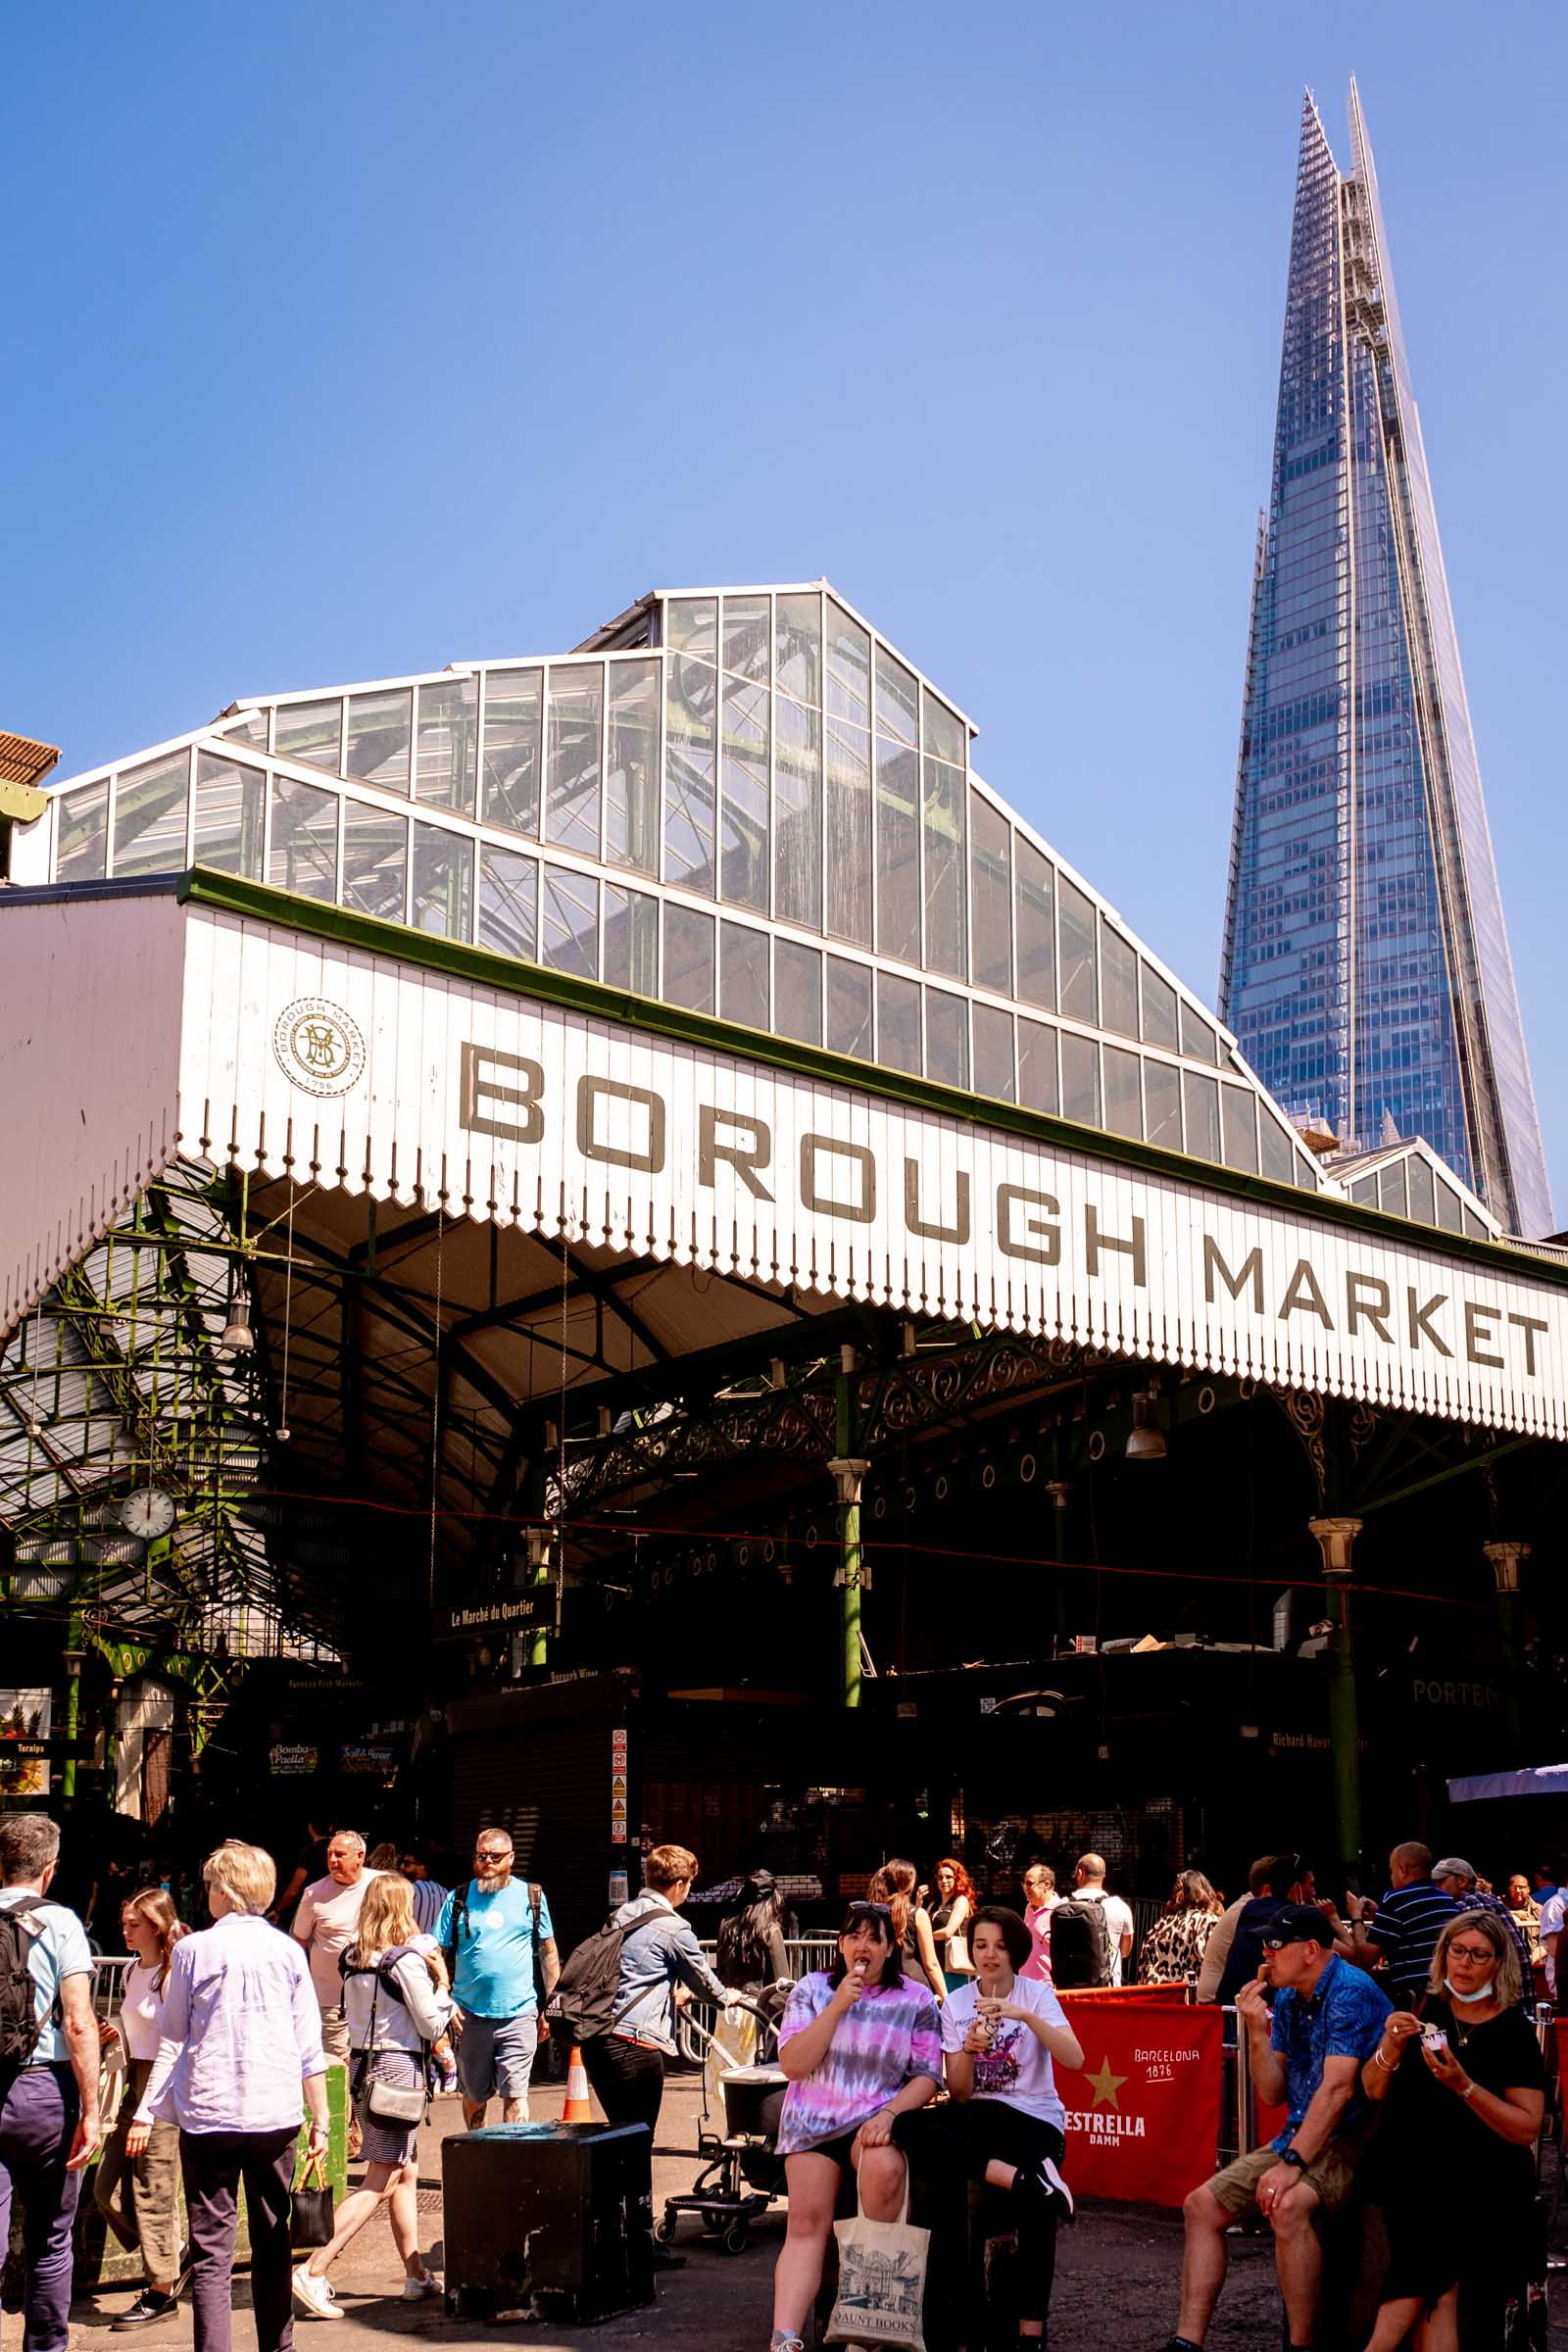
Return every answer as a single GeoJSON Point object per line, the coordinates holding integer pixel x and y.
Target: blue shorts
{"type": "Point", "coordinates": [495, 2055]}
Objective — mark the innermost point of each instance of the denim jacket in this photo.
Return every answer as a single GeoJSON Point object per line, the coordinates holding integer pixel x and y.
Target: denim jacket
{"type": "Point", "coordinates": [653, 1962]}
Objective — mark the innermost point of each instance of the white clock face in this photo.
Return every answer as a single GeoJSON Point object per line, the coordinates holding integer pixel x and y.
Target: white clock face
{"type": "Point", "coordinates": [147, 1513]}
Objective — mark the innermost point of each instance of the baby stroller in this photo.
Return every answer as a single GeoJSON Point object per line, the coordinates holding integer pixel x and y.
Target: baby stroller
{"type": "Point", "coordinates": [742, 2170]}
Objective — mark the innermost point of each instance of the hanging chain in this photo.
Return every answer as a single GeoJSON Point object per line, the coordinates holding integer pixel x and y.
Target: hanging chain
{"type": "Point", "coordinates": [560, 1433]}
{"type": "Point", "coordinates": [435, 1394]}
{"type": "Point", "coordinates": [288, 1309]}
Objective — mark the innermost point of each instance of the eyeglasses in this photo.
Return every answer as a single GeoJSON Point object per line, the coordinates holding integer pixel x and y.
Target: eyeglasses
{"type": "Point", "coordinates": [1468, 1951]}
{"type": "Point", "coordinates": [492, 1853]}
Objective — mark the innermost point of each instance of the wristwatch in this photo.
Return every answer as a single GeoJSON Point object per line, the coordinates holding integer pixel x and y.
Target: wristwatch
{"type": "Point", "coordinates": [1294, 2156]}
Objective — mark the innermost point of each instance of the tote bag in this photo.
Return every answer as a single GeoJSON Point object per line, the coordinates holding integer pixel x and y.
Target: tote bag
{"type": "Point", "coordinates": [881, 2281]}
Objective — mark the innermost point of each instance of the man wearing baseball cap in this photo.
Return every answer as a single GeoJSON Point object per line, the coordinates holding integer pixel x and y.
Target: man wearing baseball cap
{"type": "Point", "coordinates": [1327, 2021]}
{"type": "Point", "coordinates": [1455, 1877]}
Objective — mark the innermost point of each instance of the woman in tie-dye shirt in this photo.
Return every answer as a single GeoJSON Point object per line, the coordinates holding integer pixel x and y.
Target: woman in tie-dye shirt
{"type": "Point", "coordinates": [862, 2044]}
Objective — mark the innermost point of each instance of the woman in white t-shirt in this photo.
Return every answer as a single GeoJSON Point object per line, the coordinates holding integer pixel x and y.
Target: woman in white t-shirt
{"type": "Point", "coordinates": [1003, 2037]}
{"type": "Point", "coordinates": [139, 2196]}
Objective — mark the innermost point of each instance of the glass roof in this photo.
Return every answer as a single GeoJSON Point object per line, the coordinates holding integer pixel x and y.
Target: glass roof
{"type": "Point", "coordinates": [742, 800]}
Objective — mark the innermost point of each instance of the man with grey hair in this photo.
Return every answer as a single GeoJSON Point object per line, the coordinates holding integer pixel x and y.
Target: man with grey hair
{"type": "Point", "coordinates": [48, 2069]}
{"type": "Point", "coordinates": [327, 1923]}
{"type": "Point", "coordinates": [1456, 1878]}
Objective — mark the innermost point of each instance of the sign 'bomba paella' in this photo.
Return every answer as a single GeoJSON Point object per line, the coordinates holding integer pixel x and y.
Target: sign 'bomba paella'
{"type": "Point", "coordinates": [525, 1112]}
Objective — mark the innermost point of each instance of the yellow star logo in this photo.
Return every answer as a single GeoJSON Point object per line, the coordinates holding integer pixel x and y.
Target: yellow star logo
{"type": "Point", "coordinates": [1105, 2085]}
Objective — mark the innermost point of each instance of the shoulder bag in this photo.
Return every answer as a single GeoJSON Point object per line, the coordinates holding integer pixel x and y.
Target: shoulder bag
{"type": "Point", "coordinates": [390, 2102]}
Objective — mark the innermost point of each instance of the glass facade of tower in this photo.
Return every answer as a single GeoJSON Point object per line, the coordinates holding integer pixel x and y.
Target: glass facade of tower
{"type": "Point", "coordinates": [1366, 970]}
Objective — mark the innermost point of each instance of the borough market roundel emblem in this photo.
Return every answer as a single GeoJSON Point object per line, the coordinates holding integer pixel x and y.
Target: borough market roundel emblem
{"type": "Point", "coordinates": [318, 1046]}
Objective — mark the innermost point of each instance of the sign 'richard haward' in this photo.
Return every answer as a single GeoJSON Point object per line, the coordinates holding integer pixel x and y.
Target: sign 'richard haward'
{"type": "Point", "coordinates": [369, 1072]}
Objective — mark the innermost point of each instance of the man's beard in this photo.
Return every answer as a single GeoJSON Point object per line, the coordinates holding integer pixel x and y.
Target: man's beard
{"type": "Point", "coordinates": [487, 1880]}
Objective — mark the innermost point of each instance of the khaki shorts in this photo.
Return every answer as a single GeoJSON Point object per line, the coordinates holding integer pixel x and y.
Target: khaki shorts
{"type": "Point", "coordinates": [1330, 2173]}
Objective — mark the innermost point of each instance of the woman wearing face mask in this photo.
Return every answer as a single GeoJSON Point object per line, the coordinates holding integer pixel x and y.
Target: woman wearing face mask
{"type": "Point", "coordinates": [1003, 2037]}
{"type": "Point", "coordinates": [861, 2046]}
{"type": "Point", "coordinates": [1463, 2087]}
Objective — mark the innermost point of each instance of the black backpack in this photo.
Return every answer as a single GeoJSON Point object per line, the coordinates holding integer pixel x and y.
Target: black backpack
{"type": "Point", "coordinates": [583, 2003]}
{"type": "Point", "coordinates": [20, 2021]}
{"type": "Point", "coordinates": [1080, 1943]}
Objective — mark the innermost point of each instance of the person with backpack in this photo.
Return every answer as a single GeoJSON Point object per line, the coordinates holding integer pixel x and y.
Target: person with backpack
{"type": "Point", "coordinates": [396, 2005]}
{"type": "Point", "coordinates": [48, 2069]}
{"type": "Point", "coordinates": [625, 2024]}
{"type": "Point", "coordinates": [1091, 1930]}
{"type": "Point", "coordinates": [499, 1940]}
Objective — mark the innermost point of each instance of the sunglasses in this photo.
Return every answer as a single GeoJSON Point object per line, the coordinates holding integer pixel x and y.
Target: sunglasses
{"type": "Point", "coordinates": [859, 1911]}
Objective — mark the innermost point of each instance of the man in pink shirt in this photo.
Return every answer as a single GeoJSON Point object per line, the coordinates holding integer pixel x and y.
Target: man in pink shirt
{"type": "Point", "coordinates": [1040, 1900]}
{"type": "Point", "coordinates": [327, 1923]}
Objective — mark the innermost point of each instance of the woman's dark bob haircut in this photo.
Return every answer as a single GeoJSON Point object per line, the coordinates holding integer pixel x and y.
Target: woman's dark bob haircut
{"type": "Point", "coordinates": [1015, 1935]}
{"type": "Point", "coordinates": [880, 1918]}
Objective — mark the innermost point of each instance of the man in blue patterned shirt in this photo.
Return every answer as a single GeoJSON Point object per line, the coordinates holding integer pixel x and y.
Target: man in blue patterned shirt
{"type": "Point", "coordinates": [1307, 2056]}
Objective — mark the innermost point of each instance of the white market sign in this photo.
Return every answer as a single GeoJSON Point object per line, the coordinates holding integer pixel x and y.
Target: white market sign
{"type": "Point", "coordinates": [261, 1046]}
{"type": "Point", "coordinates": [523, 1112]}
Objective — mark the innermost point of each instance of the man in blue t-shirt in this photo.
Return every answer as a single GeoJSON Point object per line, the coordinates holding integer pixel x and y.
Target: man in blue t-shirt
{"type": "Point", "coordinates": [494, 1935]}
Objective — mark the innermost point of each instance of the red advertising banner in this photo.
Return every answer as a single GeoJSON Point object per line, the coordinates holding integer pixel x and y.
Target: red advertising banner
{"type": "Point", "coordinates": [1143, 2116]}
{"type": "Point", "coordinates": [1169, 1994]}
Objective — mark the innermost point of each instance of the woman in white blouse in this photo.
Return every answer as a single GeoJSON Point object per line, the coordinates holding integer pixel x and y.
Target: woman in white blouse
{"type": "Point", "coordinates": [139, 2196]}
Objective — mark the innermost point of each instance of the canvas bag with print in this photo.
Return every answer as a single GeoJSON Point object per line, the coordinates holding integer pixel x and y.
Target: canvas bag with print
{"type": "Point", "coordinates": [881, 2281]}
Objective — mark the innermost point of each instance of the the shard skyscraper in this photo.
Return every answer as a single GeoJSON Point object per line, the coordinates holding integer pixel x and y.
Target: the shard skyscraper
{"type": "Point", "coordinates": [1366, 968]}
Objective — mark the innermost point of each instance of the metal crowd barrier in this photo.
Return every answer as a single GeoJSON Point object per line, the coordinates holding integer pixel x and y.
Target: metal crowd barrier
{"type": "Point", "coordinates": [109, 1981]}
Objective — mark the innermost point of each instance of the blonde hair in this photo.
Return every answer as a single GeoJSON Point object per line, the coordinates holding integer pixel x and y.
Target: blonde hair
{"type": "Point", "coordinates": [1508, 1978]}
{"type": "Point", "coordinates": [386, 1918]}
{"type": "Point", "coordinates": [246, 1874]}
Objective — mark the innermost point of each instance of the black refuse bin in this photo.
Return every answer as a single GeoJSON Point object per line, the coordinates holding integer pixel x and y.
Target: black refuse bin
{"type": "Point", "coordinates": [559, 2216]}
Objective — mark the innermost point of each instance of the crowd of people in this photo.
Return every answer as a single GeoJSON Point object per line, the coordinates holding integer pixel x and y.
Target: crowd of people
{"type": "Point", "coordinates": [932, 2044]}
{"type": "Point", "coordinates": [1413, 2013]}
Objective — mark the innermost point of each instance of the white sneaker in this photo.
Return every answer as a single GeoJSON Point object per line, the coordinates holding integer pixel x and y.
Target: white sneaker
{"type": "Point", "coordinates": [422, 2291]}
{"type": "Point", "coordinates": [1059, 2189]}
{"type": "Point", "coordinates": [315, 2294]}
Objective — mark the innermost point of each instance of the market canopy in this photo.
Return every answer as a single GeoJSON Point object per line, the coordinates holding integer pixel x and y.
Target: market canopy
{"type": "Point", "coordinates": [1546, 1780]}
{"type": "Point", "coordinates": [578, 1040]}
{"type": "Point", "coordinates": [364, 1064]}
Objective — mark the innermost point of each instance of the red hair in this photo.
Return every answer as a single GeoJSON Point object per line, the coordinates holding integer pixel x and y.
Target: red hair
{"type": "Point", "coordinates": [963, 1884]}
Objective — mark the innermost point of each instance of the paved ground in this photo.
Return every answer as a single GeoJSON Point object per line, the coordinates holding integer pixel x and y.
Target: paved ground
{"type": "Point", "coordinates": [1115, 2279]}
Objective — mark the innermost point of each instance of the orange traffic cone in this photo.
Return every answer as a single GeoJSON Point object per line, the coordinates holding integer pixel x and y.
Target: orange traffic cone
{"type": "Point", "coordinates": [579, 2107]}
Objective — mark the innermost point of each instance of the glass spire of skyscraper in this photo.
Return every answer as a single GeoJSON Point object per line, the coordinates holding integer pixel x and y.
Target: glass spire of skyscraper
{"type": "Point", "coordinates": [1366, 969]}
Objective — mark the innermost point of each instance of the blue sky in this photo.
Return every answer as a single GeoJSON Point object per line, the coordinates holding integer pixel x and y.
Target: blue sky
{"type": "Point", "coordinates": [346, 340]}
